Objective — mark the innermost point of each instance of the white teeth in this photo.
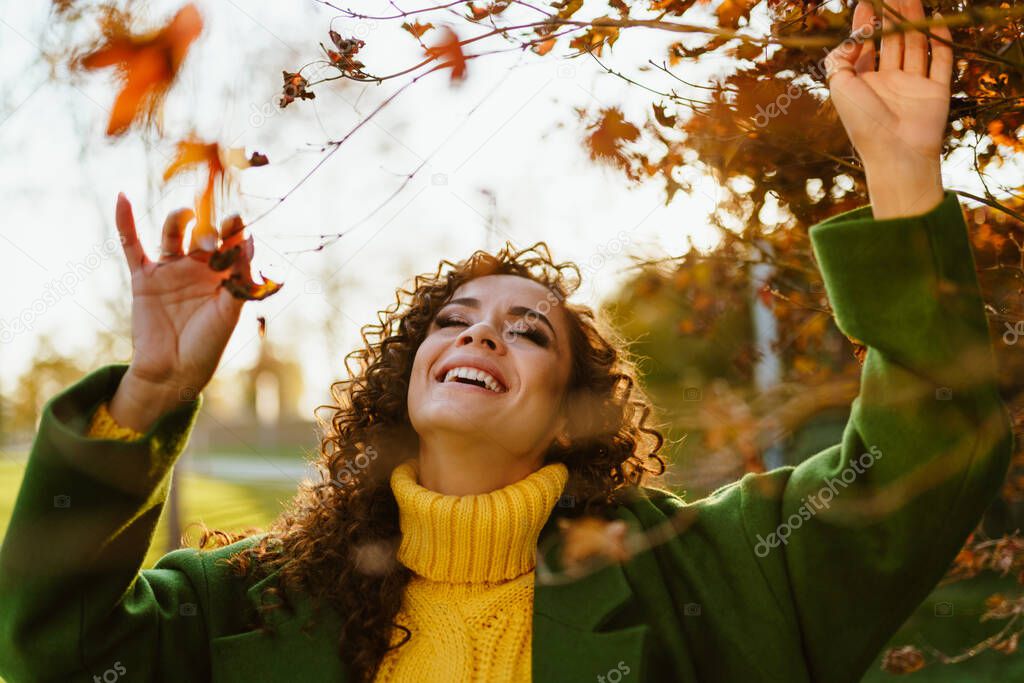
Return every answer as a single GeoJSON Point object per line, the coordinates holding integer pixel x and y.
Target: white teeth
{"type": "Point", "coordinates": [474, 374]}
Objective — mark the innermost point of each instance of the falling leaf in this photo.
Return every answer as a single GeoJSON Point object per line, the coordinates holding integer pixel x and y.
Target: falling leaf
{"type": "Point", "coordinates": [610, 132]}
{"type": "Point", "coordinates": [449, 51]}
{"type": "Point", "coordinates": [146, 64]}
{"type": "Point", "coordinates": [590, 539]}
{"type": "Point", "coordinates": [192, 153]}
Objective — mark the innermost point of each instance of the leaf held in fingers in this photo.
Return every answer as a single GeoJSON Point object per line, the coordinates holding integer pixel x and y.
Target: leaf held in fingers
{"type": "Point", "coordinates": [232, 243]}
{"type": "Point", "coordinates": [147, 64]}
{"type": "Point", "coordinates": [240, 282]}
{"type": "Point", "coordinates": [243, 287]}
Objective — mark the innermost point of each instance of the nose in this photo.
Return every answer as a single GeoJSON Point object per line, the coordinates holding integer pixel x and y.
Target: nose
{"type": "Point", "coordinates": [481, 333]}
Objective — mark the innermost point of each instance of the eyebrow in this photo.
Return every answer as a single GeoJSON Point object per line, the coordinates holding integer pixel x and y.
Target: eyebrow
{"type": "Point", "coordinates": [514, 310]}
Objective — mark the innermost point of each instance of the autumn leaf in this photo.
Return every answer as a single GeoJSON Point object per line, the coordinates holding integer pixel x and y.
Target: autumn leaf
{"type": "Point", "coordinates": [589, 540]}
{"type": "Point", "coordinates": [344, 57]}
{"type": "Point", "coordinates": [730, 12]}
{"type": "Point", "coordinates": [147, 64]}
{"type": "Point", "coordinates": [610, 132]}
{"type": "Point", "coordinates": [416, 28]}
{"type": "Point", "coordinates": [677, 7]}
{"type": "Point", "coordinates": [544, 47]}
{"type": "Point", "coordinates": [193, 153]}
{"type": "Point", "coordinates": [478, 13]}
{"type": "Point", "coordinates": [294, 89]}
{"type": "Point", "coordinates": [663, 118]}
{"type": "Point", "coordinates": [596, 37]}
{"type": "Point", "coordinates": [449, 51]}
{"type": "Point", "coordinates": [903, 660]}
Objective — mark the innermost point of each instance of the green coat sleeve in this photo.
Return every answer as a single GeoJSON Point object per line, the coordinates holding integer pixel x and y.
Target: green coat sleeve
{"type": "Point", "coordinates": [825, 560]}
{"type": "Point", "coordinates": [74, 601]}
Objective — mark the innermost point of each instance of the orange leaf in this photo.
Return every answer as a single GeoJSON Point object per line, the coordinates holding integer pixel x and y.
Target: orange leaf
{"type": "Point", "coordinates": [450, 50]}
{"type": "Point", "coordinates": [611, 131]}
{"type": "Point", "coordinates": [193, 153]}
{"type": "Point", "coordinates": [416, 28]}
{"type": "Point", "coordinates": [590, 539]}
{"type": "Point", "coordinates": [147, 64]}
{"type": "Point", "coordinates": [544, 47]}
{"type": "Point", "coordinates": [903, 660]}
{"type": "Point", "coordinates": [730, 12]}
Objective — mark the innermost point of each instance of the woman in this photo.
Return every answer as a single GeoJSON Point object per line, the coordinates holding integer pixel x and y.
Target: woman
{"type": "Point", "coordinates": [483, 413]}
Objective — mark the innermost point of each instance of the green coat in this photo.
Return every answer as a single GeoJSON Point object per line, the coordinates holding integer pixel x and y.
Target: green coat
{"type": "Point", "coordinates": [768, 579]}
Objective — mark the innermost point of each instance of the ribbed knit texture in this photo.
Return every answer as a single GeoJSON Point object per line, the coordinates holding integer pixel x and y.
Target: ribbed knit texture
{"type": "Point", "coordinates": [103, 426]}
{"type": "Point", "coordinates": [469, 605]}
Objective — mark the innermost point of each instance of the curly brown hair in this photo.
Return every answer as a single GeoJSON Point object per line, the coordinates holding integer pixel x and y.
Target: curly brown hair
{"type": "Point", "coordinates": [337, 539]}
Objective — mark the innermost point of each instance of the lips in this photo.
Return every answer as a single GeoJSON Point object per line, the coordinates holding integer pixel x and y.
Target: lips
{"type": "Point", "coordinates": [473, 372]}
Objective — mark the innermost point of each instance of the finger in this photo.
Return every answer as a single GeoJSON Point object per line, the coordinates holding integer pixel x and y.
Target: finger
{"type": "Point", "coordinates": [865, 27]}
{"type": "Point", "coordinates": [892, 45]}
{"type": "Point", "coordinates": [171, 241]}
{"type": "Point", "coordinates": [133, 251]}
{"type": "Point", "coordinates": [942, 54]}
{"type": "Point", "coordinates": [915, 50]}
{"type": "Point", "coordinates": [231, 229]}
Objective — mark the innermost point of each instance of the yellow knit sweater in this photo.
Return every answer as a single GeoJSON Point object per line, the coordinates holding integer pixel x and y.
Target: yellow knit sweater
{"type": "Point", "coordinates": [469, 605]}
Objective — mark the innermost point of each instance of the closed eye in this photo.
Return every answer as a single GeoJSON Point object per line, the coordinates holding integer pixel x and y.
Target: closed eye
{"type": "Point", "coordinates": [531, 333]}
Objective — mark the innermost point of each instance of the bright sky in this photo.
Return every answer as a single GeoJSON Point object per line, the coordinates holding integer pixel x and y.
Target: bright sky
{"type": "Point", "coordinates": [505, 145]}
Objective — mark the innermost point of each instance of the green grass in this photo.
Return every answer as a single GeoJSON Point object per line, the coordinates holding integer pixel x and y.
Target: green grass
{"type": "Point", "coordinates": [218, 504]}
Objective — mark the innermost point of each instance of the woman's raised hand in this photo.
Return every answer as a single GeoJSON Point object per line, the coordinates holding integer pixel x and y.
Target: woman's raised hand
{"type": "Point", "coordinates": [895, 114]}
{"type": "Point", "coordinates": [181, 319]}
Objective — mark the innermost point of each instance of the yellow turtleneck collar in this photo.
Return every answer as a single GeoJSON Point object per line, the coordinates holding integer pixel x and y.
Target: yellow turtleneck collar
{"type": "Point", "coordinates": [489, 537]}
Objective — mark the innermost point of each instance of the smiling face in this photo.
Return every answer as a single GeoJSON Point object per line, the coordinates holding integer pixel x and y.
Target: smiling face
{"type": "Point", "coordinates": [494, 366]}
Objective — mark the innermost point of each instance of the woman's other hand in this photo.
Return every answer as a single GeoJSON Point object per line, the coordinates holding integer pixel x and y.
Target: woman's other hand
{"type": "Point", "coordinates": [181, 319]}
{"type": "Point", "coordinates": [895, 114]}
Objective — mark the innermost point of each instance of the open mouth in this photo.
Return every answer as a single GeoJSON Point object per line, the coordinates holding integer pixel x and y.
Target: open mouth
{"type": "Point", "coordinates": [475, 377]}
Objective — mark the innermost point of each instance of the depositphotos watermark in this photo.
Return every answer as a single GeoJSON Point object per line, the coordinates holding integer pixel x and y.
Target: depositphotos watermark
{"type": "Point", "coordinates": [819, 500]}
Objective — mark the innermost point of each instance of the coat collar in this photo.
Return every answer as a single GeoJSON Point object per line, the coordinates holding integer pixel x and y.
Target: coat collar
{"type": "Point", "coordinates": [573, 639]}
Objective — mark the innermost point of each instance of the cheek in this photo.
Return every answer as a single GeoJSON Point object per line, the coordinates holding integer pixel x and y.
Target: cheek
{"type": "Point", "coordinates": [544, 377]}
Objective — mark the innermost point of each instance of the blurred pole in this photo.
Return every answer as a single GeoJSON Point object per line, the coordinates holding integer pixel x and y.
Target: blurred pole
{"type": "Point", "coordinates": [173, 513]}
{"type": "Point", "coordinates": [768, 364]}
